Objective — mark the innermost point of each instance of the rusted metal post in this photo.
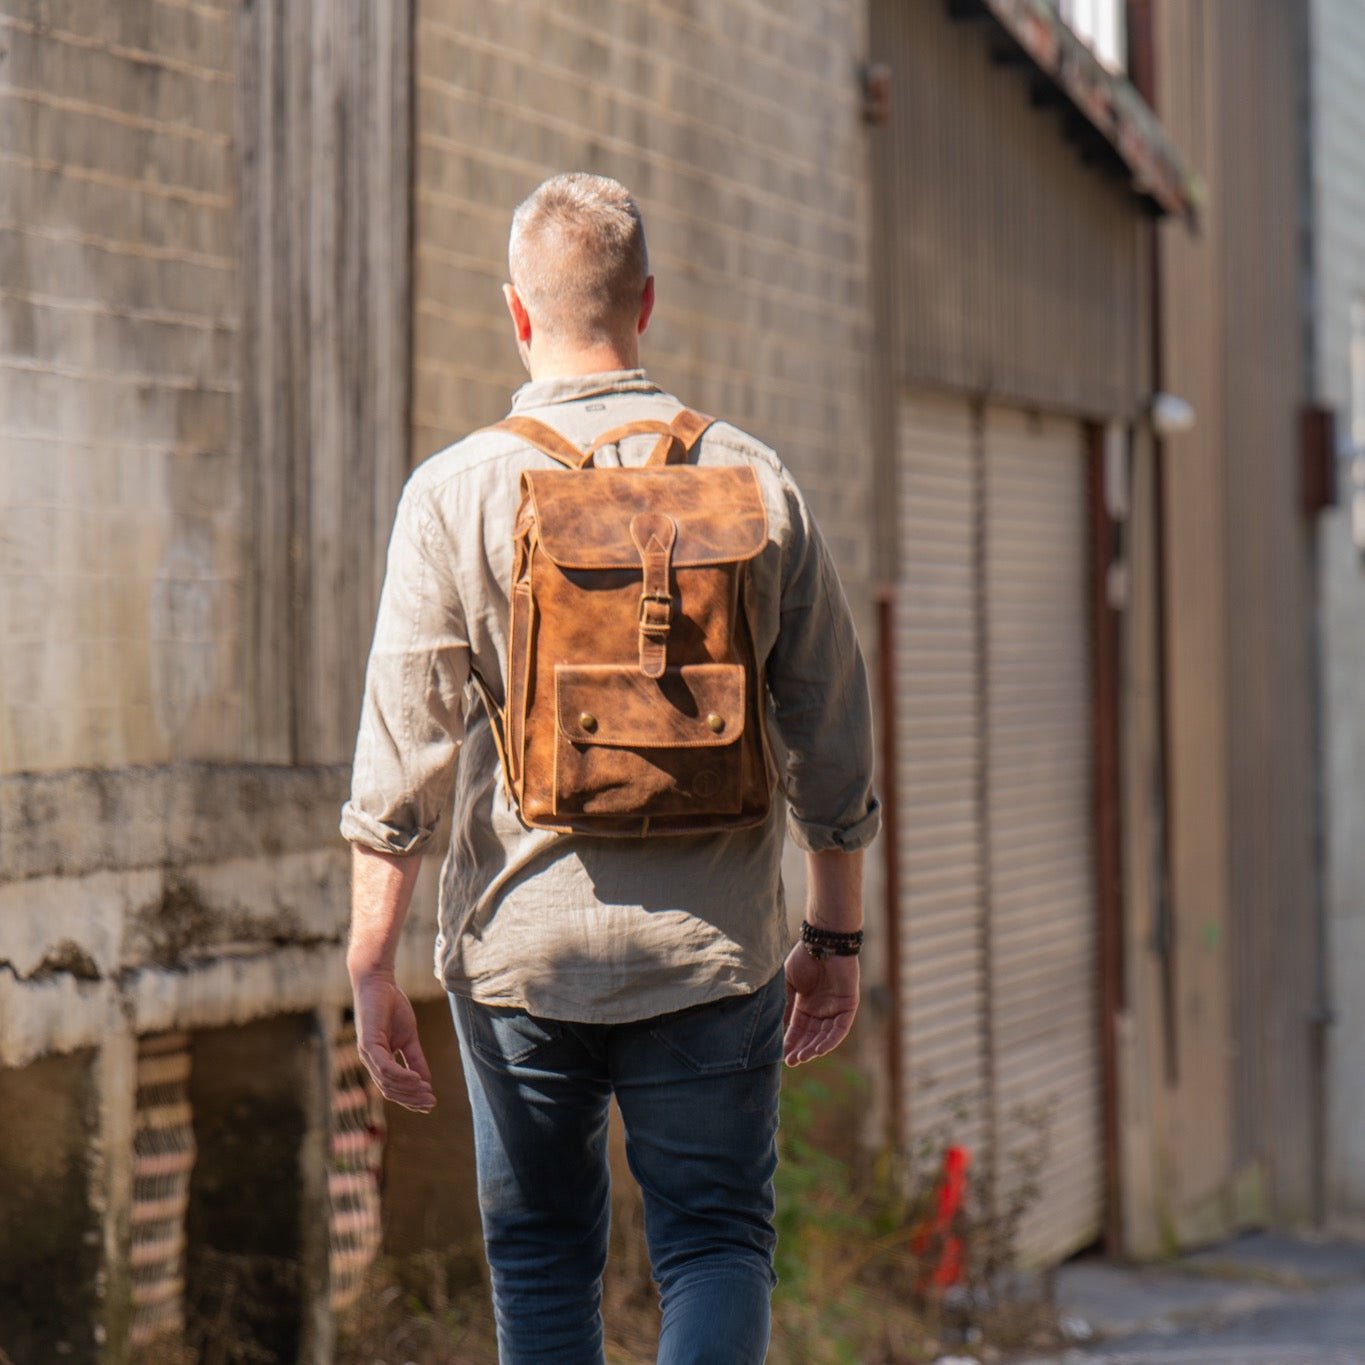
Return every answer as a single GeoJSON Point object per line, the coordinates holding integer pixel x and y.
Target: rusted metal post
{"type": "Point", "coordinates": [1108, 830]}
{"type": "Point", "coordinates": [886, 672]}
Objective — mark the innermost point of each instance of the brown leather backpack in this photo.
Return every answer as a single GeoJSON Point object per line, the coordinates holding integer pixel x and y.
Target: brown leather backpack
{"type": "Point", "coordinates": [634, 700]}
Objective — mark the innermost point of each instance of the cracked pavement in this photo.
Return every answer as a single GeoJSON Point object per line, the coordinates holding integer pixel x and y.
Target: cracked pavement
{"type": "Point", "coordinates": [1264, 1299]}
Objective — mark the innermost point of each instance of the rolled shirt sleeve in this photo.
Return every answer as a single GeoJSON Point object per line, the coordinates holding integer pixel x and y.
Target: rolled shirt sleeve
{"type": "Point", "coordinates": [823, 711]}
{"type": "Point", "coordinates": [411, 723]}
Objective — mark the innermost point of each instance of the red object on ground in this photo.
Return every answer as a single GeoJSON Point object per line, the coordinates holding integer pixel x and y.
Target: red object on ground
{"type": "Point", "coordinates": [934, 1234]}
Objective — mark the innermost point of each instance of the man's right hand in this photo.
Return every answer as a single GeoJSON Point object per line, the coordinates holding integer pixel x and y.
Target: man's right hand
{"type": "Point", "coordinates": [822, 998]}
{"type": "Point", "coordinates": [386, 1037]}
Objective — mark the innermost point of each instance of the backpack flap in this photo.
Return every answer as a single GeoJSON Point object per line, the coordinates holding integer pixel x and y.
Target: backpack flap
{"type": "Point", "coordinates": [583, 517]}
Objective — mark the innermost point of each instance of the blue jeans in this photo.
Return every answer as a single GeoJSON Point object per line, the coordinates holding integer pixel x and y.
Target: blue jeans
{"type": "Point", "coordinates": [698, 1092]}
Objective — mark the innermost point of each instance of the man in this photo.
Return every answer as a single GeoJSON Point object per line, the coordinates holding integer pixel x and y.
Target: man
{"type": "Point", "coordinates": [582, 967]}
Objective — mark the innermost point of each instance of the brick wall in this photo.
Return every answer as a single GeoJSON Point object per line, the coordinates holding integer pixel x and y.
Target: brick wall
{"type": "Point", "coordinates": [736, 124]}
{"type": "Point", "coordinates": [118, 477]}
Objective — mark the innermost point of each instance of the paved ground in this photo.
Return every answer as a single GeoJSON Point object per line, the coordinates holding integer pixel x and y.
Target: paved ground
{"type": "Point", "coordinates": [1261, 1300]}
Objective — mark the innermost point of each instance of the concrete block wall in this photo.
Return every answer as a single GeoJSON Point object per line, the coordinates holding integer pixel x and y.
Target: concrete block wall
{"type": "Point", "coordinates": [736, 124]}
{"type": "Point", "coordinates": [119, 561]}
{"type": "Point", "coordinates": [1338, 205]}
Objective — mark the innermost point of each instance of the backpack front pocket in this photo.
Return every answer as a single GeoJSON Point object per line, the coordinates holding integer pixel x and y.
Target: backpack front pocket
{"type": "Point", "coordinates": [627, 744]}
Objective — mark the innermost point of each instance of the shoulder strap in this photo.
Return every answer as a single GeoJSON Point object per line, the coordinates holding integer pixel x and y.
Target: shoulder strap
{"type": "Point", "coordinates": [686, 430]}
{"type": "Point", "coordinates": [546, 440]}
{"type": "Point", "coordinates": [676, 438]}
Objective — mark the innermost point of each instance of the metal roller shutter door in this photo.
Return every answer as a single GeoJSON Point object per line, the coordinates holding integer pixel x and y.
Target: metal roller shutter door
{"type": "Point", "coordinates": [994, 773]}
{"type": "Point", "coordinates": [1043, 998]}
{"type": "Point", "coordinates": [939, 754]}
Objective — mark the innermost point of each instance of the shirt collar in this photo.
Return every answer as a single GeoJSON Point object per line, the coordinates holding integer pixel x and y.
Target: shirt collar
{"type": "Point", "coordinates": [542, 392]}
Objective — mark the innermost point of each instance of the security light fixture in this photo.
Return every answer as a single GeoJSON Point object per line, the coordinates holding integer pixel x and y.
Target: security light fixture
{"type": "Point", "coordinates": [1170, 415]}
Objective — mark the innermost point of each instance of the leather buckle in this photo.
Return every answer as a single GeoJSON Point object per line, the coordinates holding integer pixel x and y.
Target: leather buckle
{"type": "Point", "coordinates": [651, 624]}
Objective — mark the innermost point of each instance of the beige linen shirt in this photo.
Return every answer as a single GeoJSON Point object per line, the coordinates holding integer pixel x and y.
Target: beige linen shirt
{"type": "Point", "coordinates": [575, 927]}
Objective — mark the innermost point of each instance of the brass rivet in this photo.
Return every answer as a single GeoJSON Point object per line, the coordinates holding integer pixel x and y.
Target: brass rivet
{"type": "Point", "coordinates": [587, 721]}
{"type": "Point", "coordinates": [717, 723]}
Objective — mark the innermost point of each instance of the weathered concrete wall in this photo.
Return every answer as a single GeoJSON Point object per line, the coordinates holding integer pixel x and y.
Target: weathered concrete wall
{"type": "Point", "coordinates": [190, 896]}
{"type": "Point", "coordinates": [1338, 124]}
{"type": "Point", "coordinates": [736, 124]}
{"type": "Point", "coordinates": [119, 502]}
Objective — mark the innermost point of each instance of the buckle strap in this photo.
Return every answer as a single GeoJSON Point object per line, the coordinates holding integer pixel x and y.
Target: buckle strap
{"type": "Point", "coordinates": [656, 613]}
{"type": "Point", "coordinates": [654, 534]}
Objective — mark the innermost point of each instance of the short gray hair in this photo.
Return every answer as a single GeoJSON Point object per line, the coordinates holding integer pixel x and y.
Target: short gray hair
{"type": "Point", "coordinates": [577, 256]}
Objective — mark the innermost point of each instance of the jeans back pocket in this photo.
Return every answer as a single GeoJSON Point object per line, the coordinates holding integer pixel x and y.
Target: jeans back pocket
{"type": "Point", "coordinates": [504, 1036]}
{"type": "Point", "coordinates": [735, 1033]}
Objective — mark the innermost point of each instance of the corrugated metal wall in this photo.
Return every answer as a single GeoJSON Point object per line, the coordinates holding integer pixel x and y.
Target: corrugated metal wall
{"type": "Point", "coordinates": [939, 763]}
{"type": "Point", "coordinates": [1043, 1007]}
{"type": "Point", "coordinates": [1014, 265]}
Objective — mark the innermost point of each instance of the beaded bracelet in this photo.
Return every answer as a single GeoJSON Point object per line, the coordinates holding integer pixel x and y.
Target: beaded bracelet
{"type": "Point", "coordinates": [823, 943]}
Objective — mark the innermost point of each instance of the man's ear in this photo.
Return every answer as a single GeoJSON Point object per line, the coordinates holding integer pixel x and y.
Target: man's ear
{"type": "Point", "coordinates": [521, 319]}
{"type": "Point", "coordinates": [646, 305]}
